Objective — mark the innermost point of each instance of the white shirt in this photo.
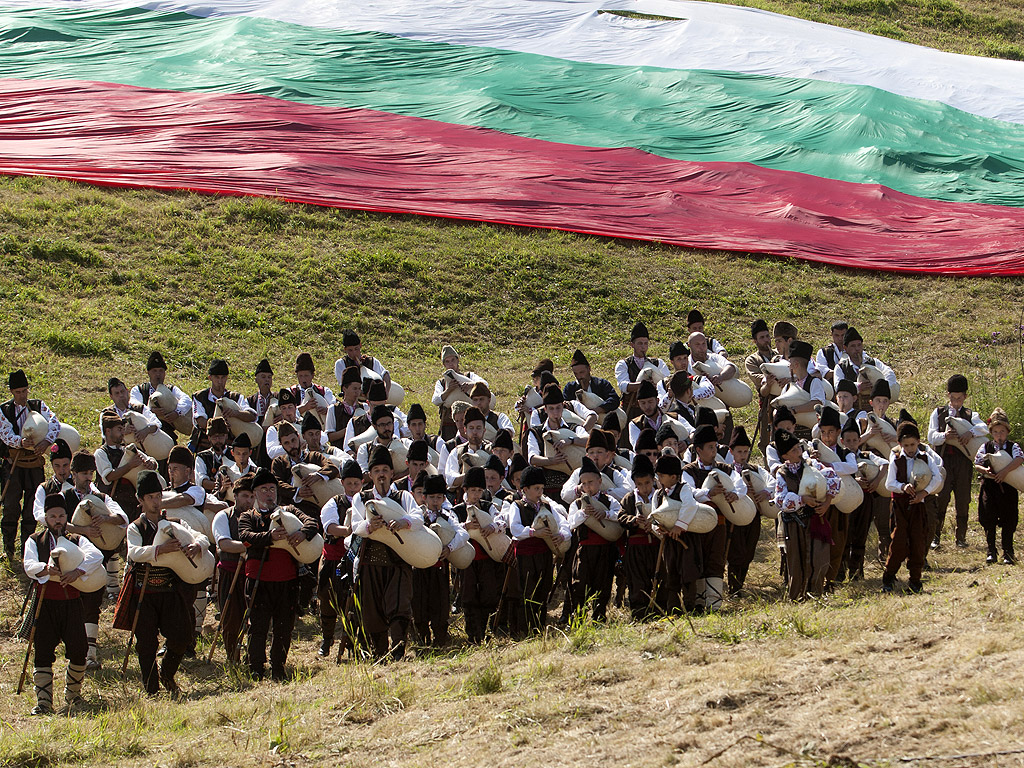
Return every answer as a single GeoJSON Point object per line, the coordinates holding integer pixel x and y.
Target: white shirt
{"type": "Point", "coordinates": [103, 465]}
{"type": "Point", "coordinates": [340, 366]}
{"type": "Point", "coordinates": [622, 371]}
{"type": "Point", "coordinates": [702, 390]}
{"type": "Point", "coordinates": [147, 414]}
{"type": "Point", "coordinates": [198, 412]}
{"type": "Point", "coordinates": [577, 516]}
{"type": "Point", "coordinates": [634, 430]}
{"type": "Point", "coordinates": [440, 386]}
{"type": "Point", "coordinates": [184, 401]}
{"type": "Point", "coordinates": [366, 449]}
{"type": "Point", "coordinates": [533, 448]}
{"type": "Point", "coordinates": [887, 372]}
{"type": "Point", "coordinates": [703, 496]}
{"type": "Point", "coordinates": [937, 438]}
{"type": "Point", "coordinates": [327, 395]}
{"type": "Point", "coordinates": [38, 510]}
{"type": "Point", "coordinates": [274, 448]}
{"type": "Point", "coordinates": [222, 527]}
{"type": "Point", "coordinates": [539, 415]}
{"type": "Point", "coordinates": [821, 362]}
{"type": "Point", "coordinates": [20, 414]}
{"type": "Point", "coordinates": [330, 514]}
{"type": "Point", "coordinates": [361, 525]}
{"type": "Point", "coordinates": [34, 567]}
{"type": "Point", "coordinates": [520, 532]}
{"type": "Point", "coordinates": [461, 534]}
{"type": "Point", "coordinates": [112, 506]}
{"type": "Point", "coordinates": [138, 553]}
{"type": "Point", "coordinates": [891, 484]}
{"type": "Point", "coordinates": [1016, 453]}
{"type": "Point", "coordinates": [331, 422]}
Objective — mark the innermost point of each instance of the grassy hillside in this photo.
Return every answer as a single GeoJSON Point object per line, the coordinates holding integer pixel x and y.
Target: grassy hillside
{"type": "Point", "coordinates": [95, 278]}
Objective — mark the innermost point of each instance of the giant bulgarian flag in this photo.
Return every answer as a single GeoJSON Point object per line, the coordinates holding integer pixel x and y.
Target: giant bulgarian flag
{"type": "Point", "coordinates": [689, 123]}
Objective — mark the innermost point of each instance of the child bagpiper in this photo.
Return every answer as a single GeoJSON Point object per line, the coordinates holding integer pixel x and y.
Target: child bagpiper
{"type": "Point", "coordinates": [997, 500]}
{"type": "Point", "coordinates": [61, 617]}
{"type": "Point", "coordinates": [908, 518]}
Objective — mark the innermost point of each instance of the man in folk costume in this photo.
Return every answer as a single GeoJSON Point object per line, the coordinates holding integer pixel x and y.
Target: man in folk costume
{"type": "Point", "coordinates": [121, 404]}
{"type": "Point", "coordinates": [345, 409]}
{"type": "Point", "coordinates": [383, 581]}
{"type": "Point", "coordinates": [808, 538]}
{"type": "Point", "coordinates": [166, 607]}
{"type": "Point", "coordinates": [587, 416]}
{"type": "Point", "coordinates": [61, 617]}
{"type": "Point", "coordinates": [641, 556]}
{"type": "Point", "coordinates": [83, 472]}
{"type": "Point", "coordinates": [743, 539]}
{"type": "Point", "coordinates": [998, 500]}
{"type": "Point", "coordinates": [431, 601]}
{"type": "Point", "coordinates": [540, 382]}
{"type": "Point", "coordinates": [304, 371]}
{"type": "Point", "coordinates": [204, 403]}
{"type": "Point", "coordinates": [862, 517]}
{"type": "Point", "coordinates": [944, 439]}
{"type": "Point", "coordinates": [384, 423]}
{"type": "Point", "coordinates": [156, 370]}
{"type": "Point", "coordinates": [376, 395]}
{"type": "Point", "coordinates": [649, 415]}
{"type": "Point", "coordinates": [503, 448]}
{"type": "Point", "coordinates": [628, 370]}
{"type": "Point", "coordinates": [584, 381]}
{"type": "Point", "coordinates": [695, 324]}
{"type": "Point", "coordinates": [444, 387]}
{"type": "Point", "coordinates": [334, 579]}
{"type": "Point", "coordinates": [229, 551]}
{"type": "Point", "coordinates": [554, 406]}
{"type": "Point", "coordinates": [828, 357]}
{"type": "Point", "coordinates": [838, 522]}
{"type": "Point", "coordinates": [783, 334]}
{"type": "Point", "coordinates": [846, 399]}
{"type": "Point", "coordinates": [185, 493]}
{"type": "Point", "coordinates": [60, 481]}
{"type": "Point", "coordinates": [594, 564]}
{"type": "Point", "coordinates": [416, 420]}
{"type": "Point", "coordinates": [853, 359]}
{"type": "Point", "coordinates": [600, 450]}
{"type": "Point", "coordinates": [455, 469]}
{"type": "Point", "coordinates": [909, 521]}
{"type": "Point", "coordinates": [209, 462]}
{"type": "Point", "coordinates": [271, 576]}
{"type": "Point", "coordinates": [354, 357]}
{"type": "Point", "coordinates": [762, 382]}
{"type": "Point", "coordinates": [481, 396]}
{"type": "Point", "coordinates": [534, 560]}
{"type": "Point", "coordinates": [682, 399]}
{"type": "Point", "coordinates": [417, 459]}
{"type": "Point", "coordinates": [483, 579]}
{"type": "Point", "coordinates": [287, 414]}
{"type": "Point", "coordinates": [711, 586]}
{"type": "Point", "coordinates": [23, 461]}
{"type": "Point", "coordinates": [240, 464]}
{"type": "Point", "coordinates": [296, 452]}
{"type": "Point", "coordinates": [260, 403]}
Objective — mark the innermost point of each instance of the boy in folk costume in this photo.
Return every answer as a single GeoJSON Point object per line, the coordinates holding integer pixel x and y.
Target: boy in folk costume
{"type": "Point", "coordinates": [878, 405]}
{"type": "Point", "coordinates": [431, 586]}
{"type": "Point", "coordinates": [711, 585]}
{"type": "Point", "coordinates": [764, 353]}
{"type": "Point", "coordinates": [334, 580]}
{"type": "Point", "coordinates": [83, 471]}
{"type": "Point", "coordinates": [61, 617]}
{"type": "Point", "coordinates": [742, 538]}
{"type": "Point", "coordinates": [593, 567]}
{"type": "Point", "coordinates": [481, 396]}
{"type": "Point", "coordinates": [862, 517]}
{"type": "Point", "coordinates": [229, 550]}
{"type": "Point", "coordinates": [184, 493]}
{"type": "Point", "coordinates": [304, 370]}
{"type": "Point", "coordinates": [846, 399]}
{"type": "Point", "coordinates": [681, 564]}
{"type": "Point", "coordinates": [649, 415]}
{"type": "Point", "coordinates": [483, 580]}
{"type": "Point", "coordinates": [601, 451]}
{"type": "Point", "coordinates": [354, 357]}
{"type": "Point", "coordinates": [628, 369]}
{"type": "Point", "coordinates": [475, 424]}
{"type": "Point", "coordinates": [166, 606]}
{"type": "Point", "coordinates": [554, 405]}
{"type": "Point", "coordinates": [839, 523]}
{"type": "Point", "coordinates": [944, 439]}
{"type": "Point", "coordinates": [383, 581]}
{"type": "Point", "coordinates": [909, 516]}
{"type": "Point", "coordinates": [23, 461]}
{"type": "Point", "coordinates": [209, 462]}
{"type": "Point", "coordinates": [265, 392]}
{"type": "Point", "coordinates": [60, 481]}
{"type": "Point", "coordinates": [997, 499]}
{"type": "Point", "coordinates": [852, 360]}
{"type": "Point", "coordinates": [534, 558]}
{"type": "Point", "coordinates": [828, 357]}
{"type": "Point", "coordinates": [800, 353]}
{"type": "Point", "coordinates": [803, 518]}
{"type": "Point", "coordinates": [416, 421]}
{"type": "Point", "coordinates": [641, 556]}
{"type": "Point", "coordinates": [110, 475]}
{"type": "Point", "coordinates": [271, 576]}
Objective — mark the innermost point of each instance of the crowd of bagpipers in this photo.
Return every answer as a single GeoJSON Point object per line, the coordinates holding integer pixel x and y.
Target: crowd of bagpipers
{"type": "Point", "coordinates": [297, 500]}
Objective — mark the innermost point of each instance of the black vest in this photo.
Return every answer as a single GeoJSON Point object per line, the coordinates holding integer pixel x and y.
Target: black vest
{"type": "Point", "coordinates": [9, 409]}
